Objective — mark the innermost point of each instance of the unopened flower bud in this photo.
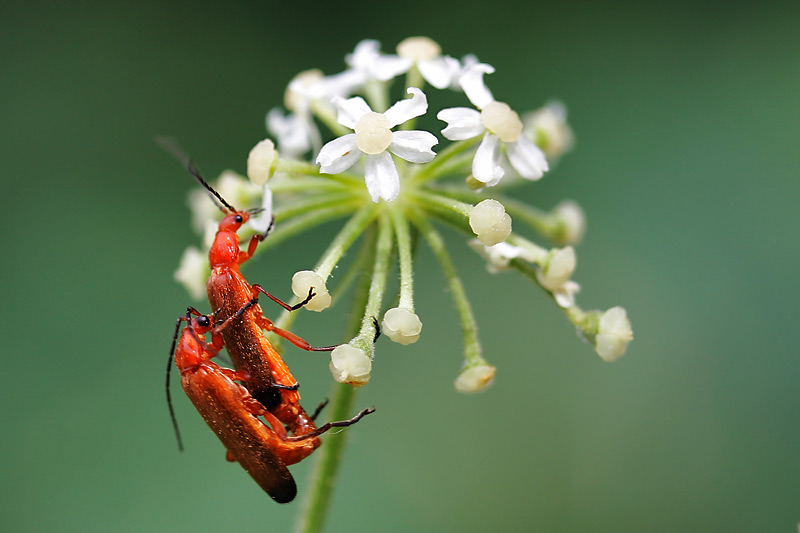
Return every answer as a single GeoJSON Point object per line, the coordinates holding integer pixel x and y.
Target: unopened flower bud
{"type": "Point", "coordinates": [572, 222]}
{"type": "Point", "coordinates": [475, 379]}
{"type": "Point", "coordinates": [557, 269]}
{"type": "Point", "coordinates": [193, 271]}
{"type": "Point", "coordinates": [490, 222]}
{"type": "Point", "coordinates": [419, 48]}
{"type": "Point", "coordinates": [261, 162]}
{"type": "Point", "coordinates": [303, 281]}
{"type": "Point", "coordinates": [401, 325]}
{"type": "Point", "coordinates": [554, 276]}
{"type": "Point", "coordinates": [350, 365]}
{"type": "Point", "coordinates": [548, 128]}
{"type": "Point", "coordinates": [613, 334]}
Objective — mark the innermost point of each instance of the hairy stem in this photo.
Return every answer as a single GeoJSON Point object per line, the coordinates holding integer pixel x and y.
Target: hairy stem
{"type": "Point", "coordinates": [315, 507]}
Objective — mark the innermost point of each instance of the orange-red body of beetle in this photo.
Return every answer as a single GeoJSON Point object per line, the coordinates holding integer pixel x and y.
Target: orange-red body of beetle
{"type": "Point", "coordinates": [232, 413]}
{"type": "Point", "coordinates": [247, 345]}
{"type": "Point", "coordinates": [265, 375]}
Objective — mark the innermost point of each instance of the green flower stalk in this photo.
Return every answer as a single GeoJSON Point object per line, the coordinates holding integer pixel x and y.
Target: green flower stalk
{"type": "Point", "coordinates": [370, 167]}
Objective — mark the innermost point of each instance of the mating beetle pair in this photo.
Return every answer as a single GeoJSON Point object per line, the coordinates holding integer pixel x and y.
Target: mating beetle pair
{"type": "Point", "coordinates": [267, 388]}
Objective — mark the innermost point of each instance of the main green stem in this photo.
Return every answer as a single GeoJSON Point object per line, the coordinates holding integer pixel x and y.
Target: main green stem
{"type": "Point", "coordinates": [315, 507]}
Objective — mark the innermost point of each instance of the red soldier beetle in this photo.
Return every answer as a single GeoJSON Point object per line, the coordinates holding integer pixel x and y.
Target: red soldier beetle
{"type": "Point", "coordinates": [267, 377]}
{"type": "Point", "coordinates": [264, 451]}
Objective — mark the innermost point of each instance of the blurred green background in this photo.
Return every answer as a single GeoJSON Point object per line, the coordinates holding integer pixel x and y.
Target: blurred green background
{"type": "Point", "coordinates": [687, 165]}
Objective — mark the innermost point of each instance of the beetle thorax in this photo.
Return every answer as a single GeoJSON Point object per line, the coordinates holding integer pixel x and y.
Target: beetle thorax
{"type": "Point", "coordinates": [225, 249]}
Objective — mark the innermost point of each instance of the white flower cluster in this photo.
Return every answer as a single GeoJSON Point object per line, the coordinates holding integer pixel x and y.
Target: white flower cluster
{"type": "Point", "coordinates": [374, 166]}
{"type": "Point", "coordinates": [498, 126]}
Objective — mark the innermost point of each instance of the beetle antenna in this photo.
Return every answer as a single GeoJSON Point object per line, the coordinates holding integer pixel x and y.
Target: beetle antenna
{"type": "Point", "coordinates": [173, 148]}
{"type": "Point", "coordinates": [169, 395]}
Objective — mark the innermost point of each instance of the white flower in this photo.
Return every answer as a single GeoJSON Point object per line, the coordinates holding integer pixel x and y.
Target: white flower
{"type": "Point", "coordinates": [475, 379]}
{"type": "Point", "coordinates": [307, 87]}
{"type": "Point", "coordinates": [350, 365]}
{"type": "Point", "coordinates": [490, 222]}
{"type": "Point", "coordinates": [374, 138]}
{"type": "Point", "coordinates": [554, 275]}
{"type": "Point", "coordinates": [401, 325]}
{"type": "Point", "coordinates": [614, 334]}
{"type": "Point", "coordinates": [426, 54]}
{"type": "Point", "coordinates": [297, 132]}
{"type": "Point", "coordinates": [367, 63]}
{"type": "Point", "coordinates": [193, 272]}
{"type": "Point", "coordinates": [305, 280]}
{"type": "Point", "coordinates": [548, 128]}
{"type": "Point", "coordinates": [501, 254]}
{"type": "Point", "coordinates": [500, 126]}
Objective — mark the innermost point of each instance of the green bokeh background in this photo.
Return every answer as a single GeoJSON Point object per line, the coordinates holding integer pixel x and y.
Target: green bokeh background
{"type": "Point", "coordinates": [687, 164]}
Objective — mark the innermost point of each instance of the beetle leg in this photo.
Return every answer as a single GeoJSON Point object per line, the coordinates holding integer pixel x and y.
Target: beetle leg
{"type": "Point", "coordinates": [330, 425]}
{"type": "Point", "coordinates": [267, 324]}
{"type": "Point", "coordinates": [258, 288]}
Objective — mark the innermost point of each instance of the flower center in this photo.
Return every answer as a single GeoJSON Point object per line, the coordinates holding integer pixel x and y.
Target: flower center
{"type": "Point", "coordinates": [373, 135]}
{"type": "Point", "coordinates": [502, 121]}
{"type": "Point", "coordinates": [419, 49]}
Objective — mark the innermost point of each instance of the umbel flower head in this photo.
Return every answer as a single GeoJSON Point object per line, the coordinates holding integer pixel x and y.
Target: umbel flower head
{"type": "Point", "coordinates": [343, 152]}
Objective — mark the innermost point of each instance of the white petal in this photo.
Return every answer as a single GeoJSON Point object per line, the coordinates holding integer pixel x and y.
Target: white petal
{"type": "Point", "coordinates": [339, 154]}
{"type": "Point", "coordinates": [381, 177]}
{"type": "Point", "coordinates": [364, 52]}
{"type": "Point", "coordinates": [302, 90]}
{"type": "Point", "coordinates": [565, 297]}
{"type": "Point", "coordinates": [342, 84]}
{"type": "Point", "coordinates": [277, 124]}
{"type": "Point", "coordinates": [292, 132]}
{"type": "Point", "coordinates": [471, 82]}
{"type": "Point", "coordinates": [439, 71]}
{"type": "Point", "coordinates": [387, 67]}
{"type": "Point", "coordinates": [263, 220]}
{"type": "Point", "coordinates": [469, 60]}
{"type": "Point", "coordinates": [413, 145]}
{"type": "Point", "coordinates": [462, 123]}
{"type": "Point", "coordinates": [527, 158]}
{"type": "Point", "coordinates": [407, 108]}
{"type": "Point", "coordinates": [484, 167]}
{"type": "Point", "coordinates": [350, 110]}
{"type": "Point", "coordinates": [367, 59]}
